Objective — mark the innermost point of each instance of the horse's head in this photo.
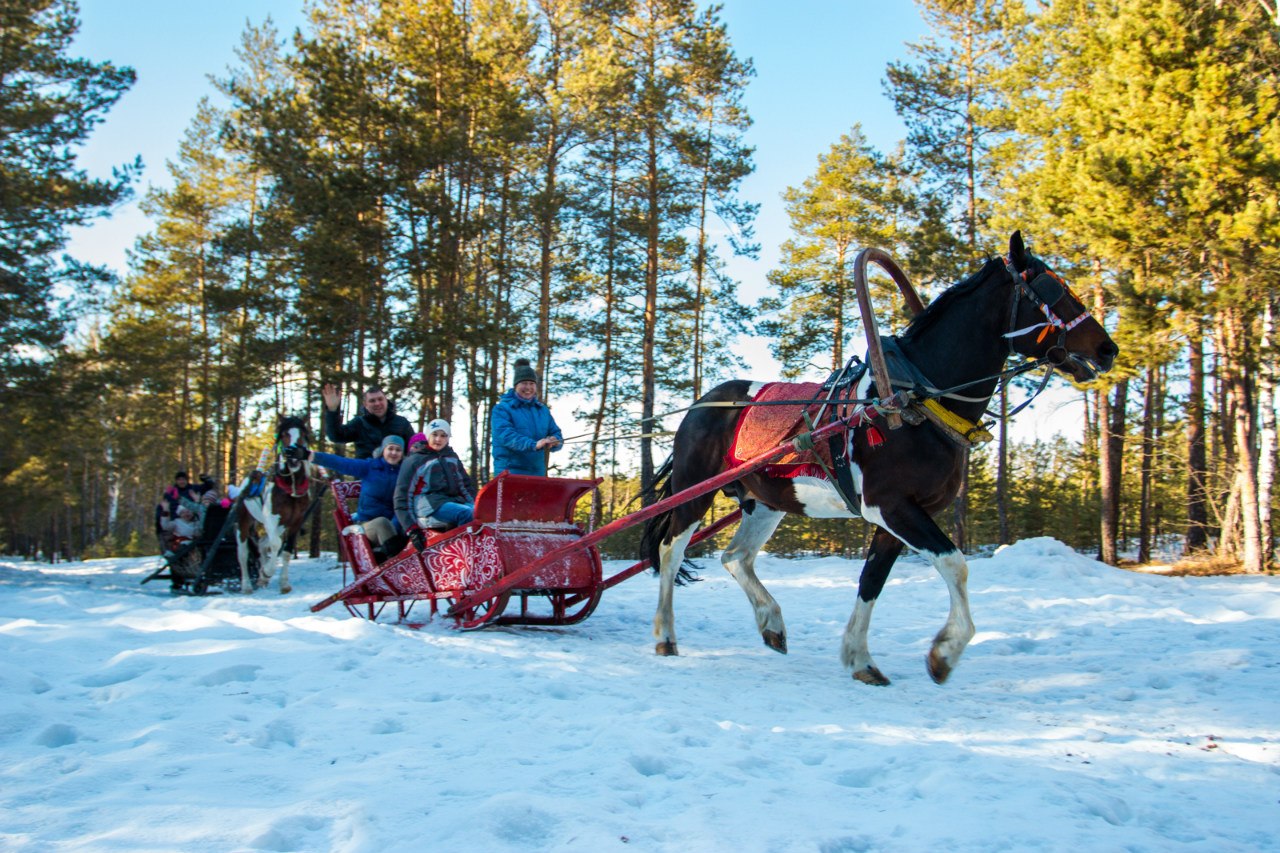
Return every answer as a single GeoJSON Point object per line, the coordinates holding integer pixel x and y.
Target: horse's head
{"type": "Point", "coordinates": [291, 432]}
{"type": "Point", "coordinates": [1048, 321]}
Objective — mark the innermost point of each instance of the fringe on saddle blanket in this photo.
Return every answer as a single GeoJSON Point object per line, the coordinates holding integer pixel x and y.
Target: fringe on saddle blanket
{"type": "Point", "coordinates": [762, 428]}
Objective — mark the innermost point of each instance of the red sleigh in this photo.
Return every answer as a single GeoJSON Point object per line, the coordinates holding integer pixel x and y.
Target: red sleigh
{"type": "Point", "coordinates": [518, 520]}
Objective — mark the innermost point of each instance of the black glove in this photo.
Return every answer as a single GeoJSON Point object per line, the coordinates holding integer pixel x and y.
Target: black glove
{"type": "Point", "coordinates": [418, 537]}
{"type": "Point", "coordinates": [296, 453]}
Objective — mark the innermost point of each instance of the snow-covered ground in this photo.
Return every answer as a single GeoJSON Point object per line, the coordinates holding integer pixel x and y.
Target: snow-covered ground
{"type": "Point", "coordinates": [1096, 709]}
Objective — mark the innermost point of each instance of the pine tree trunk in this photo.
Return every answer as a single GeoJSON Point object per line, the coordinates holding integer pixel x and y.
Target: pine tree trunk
{"type": "Point", "coordinates": [1160, 457]}
{"type": "Point", "coordinates": [607, 355]}
{"type": "Point", "coordinates": [1002, 466]}
{"type": "Point", "coordinates": [1146, 472]}
{"type": "Point", "coordinates": [1111, 420]}
{"type": "Point", "coordinates": [318, 513]}
{"type": "Point", "coordinates": [1197, 534]}
{"type": "Point", "coordinates": [546, 227]}
{"type": "Point", "coordinates": [1243, 434]}
{"type": "Point", "coordinates": [648, 367]}
{"type": "Point", "coordinates": [960, 507]}
{"type": "Point", "coordinates": [1267, 429]}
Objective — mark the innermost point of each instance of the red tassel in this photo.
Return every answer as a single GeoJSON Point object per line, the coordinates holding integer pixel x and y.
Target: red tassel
{"type": "Point", "coordinates": [874, 438]}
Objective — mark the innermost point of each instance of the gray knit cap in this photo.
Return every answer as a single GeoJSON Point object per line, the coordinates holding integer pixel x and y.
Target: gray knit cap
{"type": "Point", "coordinates": [524, 372]}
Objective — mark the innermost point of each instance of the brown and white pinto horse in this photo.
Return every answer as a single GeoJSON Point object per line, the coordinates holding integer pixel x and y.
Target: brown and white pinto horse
{"type": "Point", "coordinates": [280, 506]}
{"type": "Point", "coordinates": [899, 477]}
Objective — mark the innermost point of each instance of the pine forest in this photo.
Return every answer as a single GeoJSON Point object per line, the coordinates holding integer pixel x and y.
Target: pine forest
{"type": "Point", "coordinates": [412, 194]}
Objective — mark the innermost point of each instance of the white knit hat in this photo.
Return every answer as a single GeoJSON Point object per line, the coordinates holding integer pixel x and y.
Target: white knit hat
{"type": "Point", "coordinates": [441, 425]}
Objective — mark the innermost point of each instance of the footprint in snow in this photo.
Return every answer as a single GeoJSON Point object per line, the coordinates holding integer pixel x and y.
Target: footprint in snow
{"type": "Point", "coordinates": [228, 674]}
{"type": "Point", "coordinates": [56, 735]}
{"type": "Point", "coordinates": [117, 675]}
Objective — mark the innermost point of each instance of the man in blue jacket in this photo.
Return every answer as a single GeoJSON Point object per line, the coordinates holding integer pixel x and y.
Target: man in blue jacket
{"type": "Point", "coordinates": [523, 429]}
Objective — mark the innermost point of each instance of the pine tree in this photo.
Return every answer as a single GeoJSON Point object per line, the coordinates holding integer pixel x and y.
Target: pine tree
{"type": "Point", "coordinates": [49, 104]}
{"type": "Point", "coordinates": [850, 203]}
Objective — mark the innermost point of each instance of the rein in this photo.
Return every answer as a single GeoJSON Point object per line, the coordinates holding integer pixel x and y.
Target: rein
{"type": "Point", "coordinates": [1045, 291]}
{"type": "Point", "coordinates": [897, 403]}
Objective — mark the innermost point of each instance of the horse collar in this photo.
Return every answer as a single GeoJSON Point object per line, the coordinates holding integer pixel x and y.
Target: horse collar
{"type": "Point", "coordinates": [291, 485]}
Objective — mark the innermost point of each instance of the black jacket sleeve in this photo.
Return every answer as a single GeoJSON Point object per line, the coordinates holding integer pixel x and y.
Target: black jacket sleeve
{"type": "Point", "coordinates": [336, 430]}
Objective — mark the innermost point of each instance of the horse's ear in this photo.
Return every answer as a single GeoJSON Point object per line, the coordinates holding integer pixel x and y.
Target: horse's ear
{"type": "Point", "coordinates": [1018, 252]}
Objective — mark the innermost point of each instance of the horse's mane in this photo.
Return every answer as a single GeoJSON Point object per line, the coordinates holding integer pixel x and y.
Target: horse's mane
{"type": "Point", "coordinates": [938, 306]}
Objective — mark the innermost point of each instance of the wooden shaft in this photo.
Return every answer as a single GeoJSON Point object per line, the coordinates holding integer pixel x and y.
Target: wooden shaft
{"type": "Point", "coordinates": [513, 580]}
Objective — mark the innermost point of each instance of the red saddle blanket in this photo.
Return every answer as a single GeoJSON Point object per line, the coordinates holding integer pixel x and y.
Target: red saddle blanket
{"type": "Point", "coordinates": [762, 428]}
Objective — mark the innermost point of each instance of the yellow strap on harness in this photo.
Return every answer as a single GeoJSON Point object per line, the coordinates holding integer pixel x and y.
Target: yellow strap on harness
{"type": "Point", "coordinates": [971, 432]}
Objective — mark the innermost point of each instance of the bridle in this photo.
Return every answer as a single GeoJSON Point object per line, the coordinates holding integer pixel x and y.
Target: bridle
{"type": "Point", "coordinates": [1045, 291]}
{"type": "Point", "coordinates": [286, 477]}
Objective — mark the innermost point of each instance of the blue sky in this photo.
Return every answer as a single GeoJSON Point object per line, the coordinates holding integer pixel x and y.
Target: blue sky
{"type": "Point", "coordinates": [819, 66]}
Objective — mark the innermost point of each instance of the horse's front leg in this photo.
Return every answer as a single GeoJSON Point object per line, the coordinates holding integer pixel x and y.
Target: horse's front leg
{"type": "Point", "coordinates": [671, 555]}
{"type": "Point", "coordinates": [739, 560]}
{"type": "Point", "coordinates": [914, 526]}
{"type": "Point", "coordinates": [954, 637]}
{"type": "Point", "coordinates": [268, 551]}
{"type": "Point", "coordinates": [286, 555]}
{"type": "Point", "coordinates": [854, 651]}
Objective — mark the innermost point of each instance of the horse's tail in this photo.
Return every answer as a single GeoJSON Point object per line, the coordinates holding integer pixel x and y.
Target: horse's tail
{"type": "Point", "coordinates": [657, 528]}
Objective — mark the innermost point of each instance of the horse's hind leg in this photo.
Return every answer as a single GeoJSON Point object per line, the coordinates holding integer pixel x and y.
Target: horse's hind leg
{"type": "Point", "coordinates": [854, 652]}
{"type": "Point", "coordinates": [671, 556]}
{"type": "Point", "coordinates": [242, 554]}
{"type": "Point", "coordinates": [740, 561]}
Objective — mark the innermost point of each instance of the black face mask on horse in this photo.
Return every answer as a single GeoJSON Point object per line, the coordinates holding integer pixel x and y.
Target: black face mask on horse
{"type": "Point", "coordinates": [897, 478]}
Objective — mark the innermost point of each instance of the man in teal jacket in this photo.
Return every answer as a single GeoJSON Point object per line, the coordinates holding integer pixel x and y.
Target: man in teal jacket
{"type": "Point", "coordinates": [523, 429]}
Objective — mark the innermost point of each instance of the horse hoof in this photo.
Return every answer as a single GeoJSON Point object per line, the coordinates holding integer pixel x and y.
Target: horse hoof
{"type": "Point", "coordinates": [939, 669]}
{"type": "Point", "coordinates": [775, 640]}
{"type": "Point", "coordinates": [871, 676]}
{"type": "Point", "coordinates": [285, 590]}
{"type": "Point", "coordinates": [666, 649]}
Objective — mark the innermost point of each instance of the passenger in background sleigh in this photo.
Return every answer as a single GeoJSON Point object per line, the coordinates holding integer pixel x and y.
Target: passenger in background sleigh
{"type": "Point", "coordinates": [182, 530]}
{"type": "Point", "coordinates": [167, 508]}
{"type": "Point", "coordinates": [378, 476]}
{"type": "Point", "coordinates": [523, 428]}
{"type": "Point", "coordinates": [435, 491]}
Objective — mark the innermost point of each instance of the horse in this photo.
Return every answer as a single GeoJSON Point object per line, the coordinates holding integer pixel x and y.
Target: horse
{"type": "Point", "coordinates": [279, 505]}
{"type": "Point", "coordinates": [897, 479]}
